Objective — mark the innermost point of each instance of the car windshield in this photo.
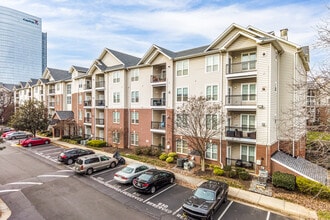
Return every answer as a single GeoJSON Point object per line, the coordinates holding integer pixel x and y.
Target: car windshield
{"type": "Point", "coordinates": [145, 177]}
{"type": "Point", "coordinates": [127, 170]}
{"type": "Point", "coordinates": [205, 194]}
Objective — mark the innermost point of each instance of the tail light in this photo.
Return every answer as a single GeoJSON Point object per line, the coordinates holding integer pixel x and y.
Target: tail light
{"type": "Point", "coordinates": [63, 156]}
{"type": "Point", "coordinates": [145, 184]}
{"type": "Point", "coordinates": [81, 167]}
{"type": "Point", "coordinates": [116, 175]}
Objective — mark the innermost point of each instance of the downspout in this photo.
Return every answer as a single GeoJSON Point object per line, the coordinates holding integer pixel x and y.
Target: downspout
{"type": "Point", "coordinates": [221, 116]}
{"type": "Point", "coordinates": [294, 107]}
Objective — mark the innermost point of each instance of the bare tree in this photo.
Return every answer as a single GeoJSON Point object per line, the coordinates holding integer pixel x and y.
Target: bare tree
{"type": "Point", "coordinates": [198, 121]}
{"type": "Point", "coordinates": [6, 105]}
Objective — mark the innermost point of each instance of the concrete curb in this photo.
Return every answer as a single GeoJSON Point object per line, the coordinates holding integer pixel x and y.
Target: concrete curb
{"type": "Point", "coordinates": [5, 212]}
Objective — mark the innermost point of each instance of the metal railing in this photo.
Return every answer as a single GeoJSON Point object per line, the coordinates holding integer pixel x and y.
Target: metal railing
{"type": "Point", "coordinates": [99, 84]}
{"type": "Point", "coordinates": [241, 67]}
{"type": "Point", "coordinates": [241, 99]}
{"type": "Point", "coordinates": [239, 163]}
{"type": "Point", "coordinates": [158, 102]}
{"type": "Point", "coordinates": [51, 104]}
{"type": "Point", "coordinates": [51, 91]}
{"type": "Point", "coordinates": [99, 121]}
{"type": "Point", "coordinates": [87, 120]}
{"type": "Point", "coordinates": [241, 132]}
{"type": "Point", "coordinates": [158, 125]}
{"type": "Point", "coordinates": [87, 86]}
{"type": "Point", "coordinates": [88, 103]}
{"type": "Point", "coordinates": [100, 102]}
{"type": "Point", "coordinates": [158, 78]}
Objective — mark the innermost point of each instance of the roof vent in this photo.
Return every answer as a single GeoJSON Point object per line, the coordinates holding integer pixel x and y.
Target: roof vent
{"type": "Point", "coordinates": [284, 34]}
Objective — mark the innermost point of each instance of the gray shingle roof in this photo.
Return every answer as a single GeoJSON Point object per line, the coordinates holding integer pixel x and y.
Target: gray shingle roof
{"type": "Point", "coordinates": [58, 74]}
{"type": "Point", "coordinates": [7, 86]}
{"type": "Point", "coordinates": [65, 115]}
{"type": "Point", "coordinates": [301, 166]}
{"type": "Point", "coordinates": [126, 59]}
{"type": "Point", "coordinates": [33, 82]}
{"type": "Point", "coordinates": [81, 69]}
{"type": "Point", "coordinates": [183, 53]}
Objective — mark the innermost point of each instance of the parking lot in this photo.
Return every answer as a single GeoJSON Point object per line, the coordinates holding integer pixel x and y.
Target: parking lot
{"type": "Point", "coordinates": [165, 203]}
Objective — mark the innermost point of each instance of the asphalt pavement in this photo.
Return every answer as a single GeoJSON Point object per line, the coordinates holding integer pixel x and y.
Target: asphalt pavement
{"type": "Point", "coordinates": [277, 205]}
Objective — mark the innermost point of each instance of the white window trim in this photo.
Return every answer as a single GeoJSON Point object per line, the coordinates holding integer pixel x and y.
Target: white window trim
{"type": "Point", "coordinates": [248, 154]}
{"type": "Point", "coordinates": [181, 62]}
{"type": "Point", "coordinates": [214, 57]}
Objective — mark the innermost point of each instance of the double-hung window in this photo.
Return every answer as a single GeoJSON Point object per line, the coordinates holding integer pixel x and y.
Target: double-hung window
{"type": "Point", "coordinates": [212, 63]}
{"type": "Point", "coordinates": [211, 151]}
{"type": "Point", "coordinates": [134, 139]}
{"type": "Point", "coordinates": [115, 117]}
{"type": "Point", "coordinates": [249, 92]}
{"type": "Point", "coordinates": [181, 94]}
{"type": "Point", "coordinates": [134, 96]}
{"type": "Point", "coordinates": [211, 121]}
{"type": "Point", "coordinates": [116, 97]}
{"type": "Point", "coordinates": [248, 153]}
{"type": "Point", "coordinates": [116, 77]}
{"type": "Point", "coordinates": [212, 93]}
{"type": "Point", "coordinates": [115, 137]}
{"type": "Point", "coordinates": [182, 68]}
{"type": "Point", "coordinates": [249, 61]}
{"type": "Point", "coordinates": [135, 75]}
{"type": "Point", "coordinates": [248, 122]}
{"type": "Point", "coordinates": [134, 117]}
{"type": "Point", "coordinates": [182, 146]}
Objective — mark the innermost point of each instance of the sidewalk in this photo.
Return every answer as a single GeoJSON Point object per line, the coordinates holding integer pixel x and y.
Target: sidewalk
{"type": "Point", "coordinates": [277, 205]}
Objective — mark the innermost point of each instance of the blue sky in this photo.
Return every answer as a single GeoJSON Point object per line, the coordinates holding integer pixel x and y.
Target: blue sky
{"type": "Point", "coordinates": [79, 30]}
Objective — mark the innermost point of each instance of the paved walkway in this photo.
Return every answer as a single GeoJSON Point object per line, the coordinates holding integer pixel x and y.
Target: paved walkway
{"type": "Point", "coordinates": [277, 205]}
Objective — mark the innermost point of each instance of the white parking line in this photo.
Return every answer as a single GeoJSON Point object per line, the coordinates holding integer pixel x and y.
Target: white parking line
{"type": "Point", "coordinates": [224, 212]}
{"type": "Point", "coordinates": [49, 150]}
{"type": "Point", "coordinates": [9, 190]}
{"type": "Point", "coordinates": [158, 193]}
{"type": "Point", "coordinates": [50, 175]}
{"type": "Point", "coordinates": [128, 188]}
{"type": "Point", "coordinates": [178, 210]}
{"type": "Point", "coordinates": [71, 171]}
{"type": "Point", "coordinates": [268, 215]}
{"type": "Point", "coordinates": [25, 183]}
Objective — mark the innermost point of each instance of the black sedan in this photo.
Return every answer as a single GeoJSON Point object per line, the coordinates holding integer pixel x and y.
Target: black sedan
{"type": "Point", "coordinates": [206, 200]}
{"type": "Point", "coordinates": [69, 156]}
{"type": "Point", "coordinates": [152, 180]}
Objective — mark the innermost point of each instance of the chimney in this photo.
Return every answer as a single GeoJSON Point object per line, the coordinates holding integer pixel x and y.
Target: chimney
{"type": "Point", "coordinates": [284, 34]}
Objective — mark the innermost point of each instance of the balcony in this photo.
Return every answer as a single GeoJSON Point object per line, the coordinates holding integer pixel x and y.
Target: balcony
{"type": "Point", "coordinates": [88, 103]}
{"type": "Point", "coordinates": [51, 91]}
{"type": "Point", "coordinates": [241, 102]}
{"type": "Point", "coordinates": [87, 86]}
{"type": "Point", "coordinates": [158, 125]}
{"type": "Point", "coordinates": [158, 102]}
{"type": "Point", "coordinates": [99, 121]}
{"type": "Point", "coordinates": [87, 120]}
{"type": "Point", "coordinates": [99, 84]}
{"type": "Point", "coordinates": [247, 66]}
{"type": "Point", "coordinates": [87, 136]}
{"type": "Point", "coordinates": [41, 92]}
{"type": "Point", "coordinates": [234, 133]}
{"type": "Point", "coordinates": [240, 163]}
{"type": "Point", "coordinates": [51, 104]}
{"type": "Point", "coordinates": [158, 78]}
{"type": "Point", "coordinates": [100, 102]}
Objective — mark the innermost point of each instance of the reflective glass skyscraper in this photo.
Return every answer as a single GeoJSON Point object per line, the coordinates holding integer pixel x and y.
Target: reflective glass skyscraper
{"type": "Point", "coordinates": [23, 46]}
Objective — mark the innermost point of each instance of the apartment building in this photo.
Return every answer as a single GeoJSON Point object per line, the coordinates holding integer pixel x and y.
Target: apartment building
{"type": "Point", "coordinates": [130, 101]}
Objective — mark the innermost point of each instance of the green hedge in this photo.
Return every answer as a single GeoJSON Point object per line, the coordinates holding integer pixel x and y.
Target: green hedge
{"type": "Point", "coordinates": [97, 143]}
{"type": "Point", "coordinates": [284, 180]}
{"type": "Point", "coordinates": [169, 159]}
{"type": "Point", "coordinates": [313, 188]}
{"type": "Point", "coordinates": [163, 156]}
{"type": "Point", "coordinates": [218, 171]}
{"type": "Point", "coordinates": [173, 154]}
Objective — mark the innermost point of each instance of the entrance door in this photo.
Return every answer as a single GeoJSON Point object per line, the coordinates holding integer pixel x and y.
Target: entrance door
{"type": "Point", "coordinates": [228, 156]}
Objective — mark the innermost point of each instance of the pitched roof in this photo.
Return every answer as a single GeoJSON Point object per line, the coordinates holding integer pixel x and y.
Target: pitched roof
{"type": "Point", "coordinates": [64, 115]}
{"type": "Point", "coordinates": [58, 74]}
{"type": "Point", "coordinates": [126, 59]}
{"type": "Point", "coordinates": [7, 86]}
{"type": "Point", "coordinates": [301, 166]}
{"type": "Point", "coordinates": [81, 69]}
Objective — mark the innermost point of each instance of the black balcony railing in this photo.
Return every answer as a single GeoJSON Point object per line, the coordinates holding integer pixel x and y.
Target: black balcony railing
{"type": "Point", "coordinates": [241, 132]}
{"type": "Point", "coordinates": [241, 67]}
{"type": "Point", "coordinates": [87, 86]}
{"type": "Point", "coordinates": [158, 102]}
{"type": "Point", "coordinates": [88, 103]}
{"type": "Point", "coordinates": [88, 120]}
{"type": "Point", "coordinates": [87, 136]}
{"type": "Point", "coordinates": [99, 121]}
{"type": "Point", "coordinates": [100, 102]}
{"type": "Point", "coordinates": [158, 125]}
{"type": "Point", "coordinates": [158, 78]}
{"type": "Point", "coordinates": [51, 104]}
{"type": "Point", "coordinates": [51, 91]}
{"type": "Point", "coordinates": [99, 138]}
{"type": "Point", "coordinates": [239, 163]}
{"type": "Point", "coordinates": [240, 99]}
{"type": "Point", "coordinates": [99, 84]}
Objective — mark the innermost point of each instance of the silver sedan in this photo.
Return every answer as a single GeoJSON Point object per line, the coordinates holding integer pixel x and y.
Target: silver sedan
{"type": "Point", "coordinates": [130, 172]}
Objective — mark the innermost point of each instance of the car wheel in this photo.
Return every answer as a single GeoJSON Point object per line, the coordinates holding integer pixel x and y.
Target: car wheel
{"type": "Point", "coordinates": [46, 142]}
{"type": "Point", "coordinates": [172, 180]}
{"type": "Point", "coordinates": [29, 145]}
{"type": "Point", "coordinates": [70, 161]}
{"type": "Point", "coordinates": [89, 171]}
{"type": "Point", "coordinates": [113, 164]}
{"type": "Point", "coordinates": [153, 189]}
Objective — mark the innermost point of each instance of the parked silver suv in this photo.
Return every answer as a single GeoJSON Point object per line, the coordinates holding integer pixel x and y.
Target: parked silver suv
{"type": "Point", "coordinates": [94, 162]}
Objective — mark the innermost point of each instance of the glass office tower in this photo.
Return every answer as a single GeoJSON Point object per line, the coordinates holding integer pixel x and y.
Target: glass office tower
{"type": "Point", "coordinates": [23, 46]}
